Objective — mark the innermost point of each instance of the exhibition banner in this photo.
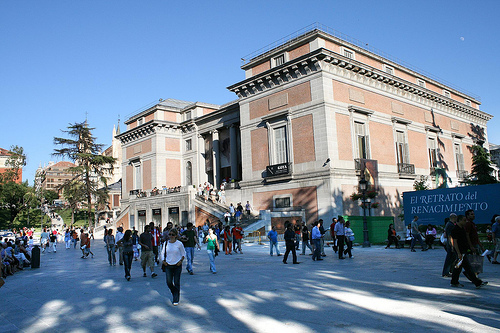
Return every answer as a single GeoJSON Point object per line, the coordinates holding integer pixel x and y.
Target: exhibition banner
{"type": "Point", "coordinates": [433, 206]}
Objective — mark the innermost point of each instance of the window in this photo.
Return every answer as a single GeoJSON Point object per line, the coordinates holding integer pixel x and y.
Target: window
{"type": "Point", "coordinates": [361, 140]}
{"type": "Point", "coordinates": [188, 115]}
{"type": "Point", "coordinates": [137, 175]}
{"type": "Point", "coordinates": [348, 53]}
{"type": "Point", "coordinates": [189, 173]}
{"type": "Point", "coordinates": [402, 150]}
{"type": "Point", "coordinates": [459, 156]}
{"type": "Point", "coordinates": [279, 60]}
{"type": "Point", "coordinates": [280, 145]}
{"type": "Point", "coordinates": [282, 202]}
{"type": "Point", "coordinates": [446, 93]}
{"type": "Point", "coordinates": [189, 145]}
{"type": "Point", "coordinates": [140, 121]}
{"type": "Point", "coordinates": [432, 152]}
{"type": "Point", "coordinates": [467, 102]}
{"type": "Point", "coordinates": [389, 69]}
{"type": "Point", "coordinates": [421, 83]}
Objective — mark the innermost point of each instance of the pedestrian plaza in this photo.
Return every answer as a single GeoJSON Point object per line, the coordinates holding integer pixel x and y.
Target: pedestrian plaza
{"type": "Point", "coordinates": [379, 290]}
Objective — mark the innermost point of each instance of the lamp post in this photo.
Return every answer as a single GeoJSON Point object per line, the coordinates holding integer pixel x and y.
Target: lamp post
{"type": "Point", "coordinates": [362, 187]}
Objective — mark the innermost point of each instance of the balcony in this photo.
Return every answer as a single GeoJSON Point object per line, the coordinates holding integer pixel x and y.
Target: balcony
{"type": "Point", "coordinates": [462, 174]}
{"type": "Point", "coordinates": [406, 169]}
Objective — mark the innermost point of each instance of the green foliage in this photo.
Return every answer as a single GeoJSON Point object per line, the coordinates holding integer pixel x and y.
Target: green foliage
{"type": "Point", "coordinates": [91, 167]}
{"type": "Point", "coordinates": [421, 184]}
{"type": "Point", "coordinates": [79, 216]}
{"type": "Point", "coordinates": [50, 196]}
{"type": "Point", "coordinates": [12, 201]}
{"type": "Point", "coordinates": [482, 171]}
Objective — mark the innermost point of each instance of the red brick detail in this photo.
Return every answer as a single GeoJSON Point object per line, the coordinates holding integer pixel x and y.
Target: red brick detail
{"type": "Point", "coordinates": [303, 139]}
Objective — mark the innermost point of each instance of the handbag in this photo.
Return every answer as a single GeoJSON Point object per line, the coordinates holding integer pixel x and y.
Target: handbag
{"type": "Point", "coordinates": [163, 265]}
{"type": "Point", "coordinates": [476, 262]}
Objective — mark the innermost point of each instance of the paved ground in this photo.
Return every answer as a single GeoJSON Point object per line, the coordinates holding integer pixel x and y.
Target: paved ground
{"type": "Point", "coordinates": [378, 291]}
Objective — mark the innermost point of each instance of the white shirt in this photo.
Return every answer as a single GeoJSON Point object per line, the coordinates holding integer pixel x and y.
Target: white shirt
{"type": "Point", "coordinates": [119, 236]}
{"type": "Point", "coordinates": [175, 252]}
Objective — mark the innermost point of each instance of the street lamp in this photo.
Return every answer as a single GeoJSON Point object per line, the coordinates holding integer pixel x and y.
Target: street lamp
{"type": "Point", "coordinates": [363, 184]}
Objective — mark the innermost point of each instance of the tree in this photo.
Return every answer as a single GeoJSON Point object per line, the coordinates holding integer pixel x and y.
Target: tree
{"type": "Point", "coordinates": [12, 199]}
{"type": "Point", "coordinates": [421, 185]}
{"type": "Point", "coordinates": [74, 193]}
{"type": "Point", "coordinates": [481, 171]}
{"type": "Point", "coordinates": [91, 167]}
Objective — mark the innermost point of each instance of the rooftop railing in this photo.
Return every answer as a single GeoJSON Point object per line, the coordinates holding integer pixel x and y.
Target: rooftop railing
{"type": "Point", "coordinates": [289, 39]}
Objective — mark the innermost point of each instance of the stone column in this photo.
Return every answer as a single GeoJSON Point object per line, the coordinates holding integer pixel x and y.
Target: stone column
{"type": "Point", "coordinates": [201, 175]}
{"type": "Point", "coordinates": [234, 151]}
{"type": "Point", "coordinates": [216, 160]}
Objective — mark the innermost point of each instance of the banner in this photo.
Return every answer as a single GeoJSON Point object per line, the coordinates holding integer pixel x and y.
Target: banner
{"type": "Point", "coordinates": [433, 206]}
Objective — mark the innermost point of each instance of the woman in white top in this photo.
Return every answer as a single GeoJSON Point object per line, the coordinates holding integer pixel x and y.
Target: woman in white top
{"type": "Point", "coordinates": [172, 254]}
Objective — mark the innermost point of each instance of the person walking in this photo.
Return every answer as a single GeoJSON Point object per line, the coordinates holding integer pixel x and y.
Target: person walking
{"type": "Point", "coordinates": [415, 233]}
{"type": "Point", "coordinates": [305, 239]}
{"type": "Point", "coordinates": [290, 243]}
{"type": "Point", "coordinates": [340, 235]}
{"type": "Point", "coordinates": [237, 238]}
{"type": "Point", "coordinates": [496, 239]}
{"type": "Point", "coordinates": [349, 239]}
{"type": "Point", "coordinates": [228, 240]}
{"type": "Point", "coordinates": [119, 236]}
{"type": "Point", "coordinates": [212, 248]}
{"type": "Point", "coordinates": [44, 237]}
{"type": "Point", "coordinates": [127, 245]}
{"type": "Point", "coordinates": [450, 253]}
{"type": "Point", "coordinates": [67, 239]}
{"type": "Point", "coordinates": [171, 256]}
{"type": "Point", "coordinates": [147, 256]}
{"type": "Point", "coordinates": [316, 239]}
{"type": "Point", "coordinates": [272, 235]}
{"type": "Point", "coordinates": [191, 241]}
{"type": "Point", "coordinates": [462, 248]}
{"type": "Point", "coordinates": [109, 239]}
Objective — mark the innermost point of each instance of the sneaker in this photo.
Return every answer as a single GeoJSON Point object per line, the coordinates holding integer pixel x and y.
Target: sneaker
{"type": "Point", "coordinates": [175, 303]}
{"type": "Point", "coordinates": [154, 275]}
{"type": "Point", "coordinates": [144, 275]}
{"type": "Point", "coordinates": [191, 273]}
{"type": "Point", "coordinates": [412, 250]}
{"type": "Point", "coordinates": [128, 278]}
{"type": "Point", "coordinates": [495, 262]}
{"type": "Point", "coordinates": [483, 283]}
{"type": "Point", "coordinates": [456, 285]}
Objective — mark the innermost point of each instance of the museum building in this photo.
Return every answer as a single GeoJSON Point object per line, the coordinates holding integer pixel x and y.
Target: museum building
{"type": "Point", "coordinates": [313, 115]}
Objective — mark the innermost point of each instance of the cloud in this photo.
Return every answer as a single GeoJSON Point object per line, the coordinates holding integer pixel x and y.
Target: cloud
{"type": "Point", "coordinates": [462, 39]}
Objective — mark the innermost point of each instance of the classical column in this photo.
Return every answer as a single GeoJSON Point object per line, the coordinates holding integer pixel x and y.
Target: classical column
{"type": "Point", "coordinates": [201, 175]}
{"type": "Point", "coordinates": [234, 151]}
{"type": "Point", "coordinates": [216, 159]}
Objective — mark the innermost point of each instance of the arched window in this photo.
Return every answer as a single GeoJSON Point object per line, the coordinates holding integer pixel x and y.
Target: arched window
{"type": "Point", "coordinates": [189, 173]}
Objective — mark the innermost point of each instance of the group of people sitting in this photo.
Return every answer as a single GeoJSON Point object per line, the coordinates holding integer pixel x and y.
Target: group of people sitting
{"type": "Point", "coordinates": [14, 256]}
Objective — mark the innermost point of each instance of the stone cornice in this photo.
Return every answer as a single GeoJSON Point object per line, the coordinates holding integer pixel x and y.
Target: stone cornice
{"type": "Point", "coordinates": [321, 60]}
{"type": "Point", "coordinates": [147, 129]}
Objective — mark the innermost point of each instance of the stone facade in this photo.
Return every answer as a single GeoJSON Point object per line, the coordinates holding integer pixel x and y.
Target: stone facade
{"type": "Point", "coordinates": [313, 115]}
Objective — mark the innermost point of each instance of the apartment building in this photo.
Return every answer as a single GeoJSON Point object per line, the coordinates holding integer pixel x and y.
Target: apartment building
{"type": "Point", "coordinates": [314, 114]}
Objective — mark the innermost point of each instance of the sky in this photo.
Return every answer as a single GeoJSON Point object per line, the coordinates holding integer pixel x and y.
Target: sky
{"type": "Point", "coordinates": [62, 62]}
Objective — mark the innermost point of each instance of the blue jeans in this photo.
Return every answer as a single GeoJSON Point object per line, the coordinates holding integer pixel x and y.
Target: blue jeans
{"type": "Point", "coordinates": [127, 261]}
{"type": "Point", "coordinates": [174, 281]}
{"type": "Point", "coordinates": [449, 260]}
{"type": "Point", "coordinates": [304, 244]}
{"type": "Point", "coordinates": [211, 257]}
{"type": "Point", "coordinates": [317, 248]}
{"type": "Point", "coordinates": [111, 254]}
{"type": "Point", "coordinates": [414, 240]}
{"type": "Point", "coordinates": [189, 258]}
{"type": "Point", "coordinates": [274, 244]}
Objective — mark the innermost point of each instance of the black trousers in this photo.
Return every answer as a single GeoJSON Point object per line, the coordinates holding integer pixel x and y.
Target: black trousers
{"type": "Point", "coordinates": [340, 244]}
{"type": "Point", "coordinates": [290, 246]}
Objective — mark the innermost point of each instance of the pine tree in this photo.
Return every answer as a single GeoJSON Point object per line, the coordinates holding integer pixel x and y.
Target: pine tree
{"type": "Point", "coordinates": [481, 171]}
{"type": "Point", "coordinates": [91, 167]}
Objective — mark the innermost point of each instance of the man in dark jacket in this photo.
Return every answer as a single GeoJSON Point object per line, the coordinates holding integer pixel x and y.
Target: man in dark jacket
{"type": "Point", "coordinates": [290, 242]}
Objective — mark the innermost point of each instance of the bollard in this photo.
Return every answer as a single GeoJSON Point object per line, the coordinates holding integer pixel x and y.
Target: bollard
{"type": "Point", "coordinates": [35, 257]}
